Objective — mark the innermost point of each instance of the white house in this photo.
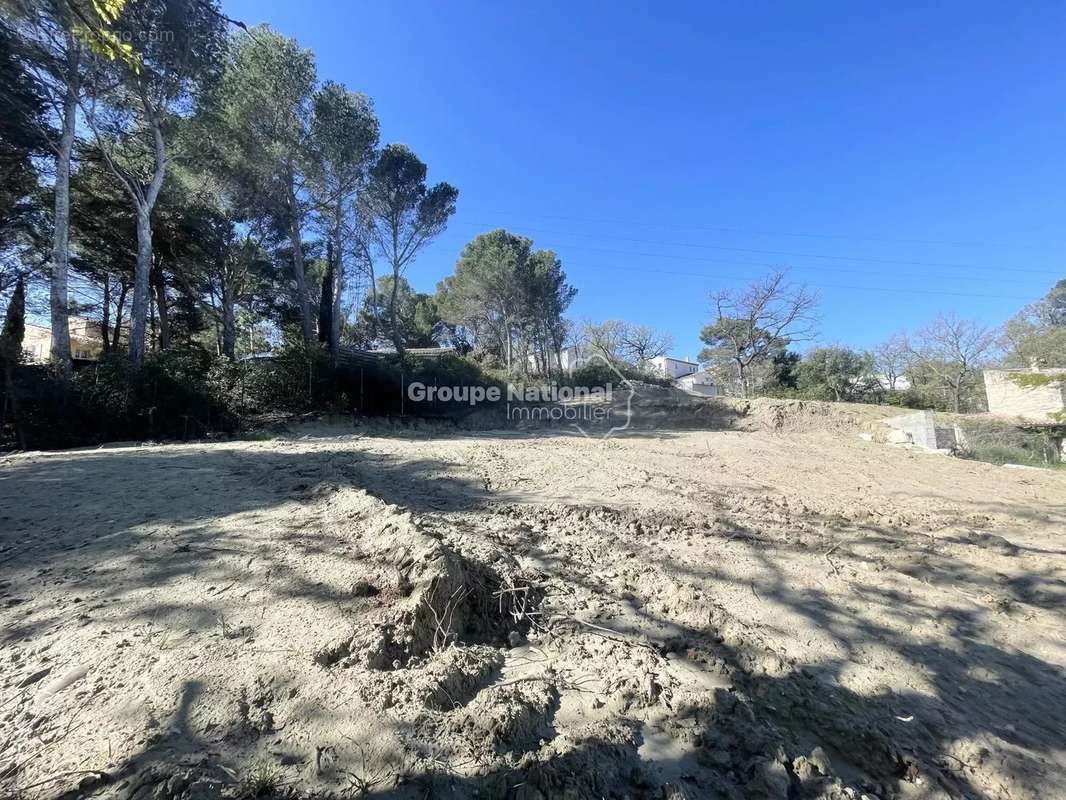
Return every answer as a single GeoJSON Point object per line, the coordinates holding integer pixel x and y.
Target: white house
{"type": "Point", "coordinates": [702, 382]}
{"type": "Point", "coordinates": [576, 356]}
{"type": "Point", "coordinates": [673, 368]}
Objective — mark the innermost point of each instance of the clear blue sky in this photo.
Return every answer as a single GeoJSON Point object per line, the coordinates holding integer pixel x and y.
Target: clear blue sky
{"type": "Point", "coordinates": [663, 150]}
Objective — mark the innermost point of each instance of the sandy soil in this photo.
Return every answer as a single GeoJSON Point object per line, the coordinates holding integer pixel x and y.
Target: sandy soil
{"type": "Point", "coordinates": [774, 609]}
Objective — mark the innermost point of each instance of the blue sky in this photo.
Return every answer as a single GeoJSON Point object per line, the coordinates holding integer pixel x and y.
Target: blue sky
{"type": "Point", "coordinates": [902, 159]}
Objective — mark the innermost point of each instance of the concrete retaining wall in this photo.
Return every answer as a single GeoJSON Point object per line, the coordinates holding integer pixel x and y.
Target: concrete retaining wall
{"type": "Point", "coordinates": [1037, 403]}
{"type": "Point", "coordinates": [920, 428]}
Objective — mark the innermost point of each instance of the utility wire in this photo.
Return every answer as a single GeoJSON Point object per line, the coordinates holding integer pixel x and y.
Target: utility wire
{"type": "Point", "coordinates": [659, 243]}
{"type": "Point", "coordinates": [882, 289]}
{"type": "Point", "coordinates": [748, 232]}
{"type": "Point", "coordinates": [779, 265]}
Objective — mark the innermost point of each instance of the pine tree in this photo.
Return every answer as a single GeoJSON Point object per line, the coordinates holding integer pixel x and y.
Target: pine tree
{"type": "Point", "coordinates": [14, 330]}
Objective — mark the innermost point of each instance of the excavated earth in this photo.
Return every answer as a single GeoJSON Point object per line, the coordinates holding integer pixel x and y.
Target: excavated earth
{"type": "Point", "coordinates": [756, 603]}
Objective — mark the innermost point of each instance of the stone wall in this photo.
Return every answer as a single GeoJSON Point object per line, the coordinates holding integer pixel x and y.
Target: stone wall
{"type": "Point", "coordinates": [1036, 403]}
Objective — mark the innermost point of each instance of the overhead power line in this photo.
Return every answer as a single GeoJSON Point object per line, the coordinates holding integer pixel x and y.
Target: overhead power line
{"type": "Point", "coordinates": [875, 289]}
{"type": "Point", "coordinates": [803, 268]}
{"type": "Point", "coordinates": [787, 253]}
{"type": "Point", "coordinates": [750, 232]}
{"type": "Point", "coordinates": [780, 265]}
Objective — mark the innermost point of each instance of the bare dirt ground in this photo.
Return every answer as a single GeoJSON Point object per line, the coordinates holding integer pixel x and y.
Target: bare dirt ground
{"type": "Point", "coordinates": [771, 609]}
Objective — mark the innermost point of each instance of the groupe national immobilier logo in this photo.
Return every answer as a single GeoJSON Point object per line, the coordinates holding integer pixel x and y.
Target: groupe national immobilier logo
{"type": "Point", "coordinates": [585, 408]}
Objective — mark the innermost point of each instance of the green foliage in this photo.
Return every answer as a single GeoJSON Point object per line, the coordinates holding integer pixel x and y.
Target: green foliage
{"type": "Point", "coordinates": [782, 374]}
{"type": "Point", "coordinates": [256, 120]}
{"type": "Point", "coordinates": [378, 388]}
{"type": "Point", "coordinates": [296, 379]}
{"type": "Point", "coordinates": [1000, 442]}
{"type": "Point", "coordinates": [261, 782]}
{"type": "Point", "coordinates": [509, 298]}
{"type": "Point", "coordinates": [14, 330]}
{"type": "Point", "coordinates": [417, 316]}
{"type": "Point", "coordinates": [1035, 380]}
{"type": "Point", "coordinates": [754, 323]}
{"type": "Point", "coordinates": [599, 373]}
{"type": "Point", "coordinates": [21, 140]}
{"type": "Point", "coordinates": [727, 336]}
{"type": "Point", "coordinates": [177, 394]}
{"type": "Point", "coordinates": [909, 398]}
{"type": "Point", "coordinates": [835, 373]}
{"type": "Point", "coordinates": [1031, 339]}
{"type": "Point", "coordinates": [95, 27]}
{"type": "Point", "coordinates": [1002, 454]}
{"type": "Point", "coordinates": [169, 397]}
{"type": "Point", "coordinates": [402, 214]}
{"type": "Point", "coordinates": [342, 134]}
{"type": "Point", "coordinates": [1053, 306]}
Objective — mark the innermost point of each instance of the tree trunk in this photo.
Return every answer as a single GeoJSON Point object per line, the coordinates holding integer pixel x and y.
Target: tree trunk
{"type": "Point", "coordinates": [325, 300]}
{"type": "Point", "coordinates": [144, 204]}
{"type": "Point", "coordinates": [105, 316]}
{"type": "Point", "coordinates": [58, 300]}
{"type": "Point", "coordinates": [507, 344]}
{"type": "Point", "coordinates": [397, 337]}
{"type": "Point", "coordinates": [374, 307]}
{"type": "Point", "coordinates": [303, 300]}
{"type": "Point", "coordinates": [229, 323]}
{"type": "Point", "coordinates": [124, 289]}
{"type": "Point", "coordinates": [557, 349]}
{"type": "Point", "coordinates": [139, 307]}
{"type": "Point", "coordinates": [161, 308]}
{"type": "Point", "coordinates": [338, 290]}
{"type": "Point", "coordinates": [153, 339]}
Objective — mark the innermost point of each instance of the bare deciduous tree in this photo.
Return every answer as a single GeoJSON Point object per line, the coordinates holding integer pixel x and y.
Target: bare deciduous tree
{"type": "Point", "coordinates": [618, 341]}
{"type": "Point", "coordinates": [641, 343]}
{"type": "Point", "coordinates": [754, 322]}
{"type": "Point", "coordinates": [603, 338]}
{"type": "Point", "coordinates": [891, 359]}
{"type": "Point", "coordinates": [952, 350]}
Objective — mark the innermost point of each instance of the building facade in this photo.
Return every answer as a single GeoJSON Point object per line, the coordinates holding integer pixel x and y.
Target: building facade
{"type": "Point", "coordinates": [86, 343]}
{"type": "Point", "coordinates": [702, 383]}
{"type": "Point", "coordinates": [673, 368]}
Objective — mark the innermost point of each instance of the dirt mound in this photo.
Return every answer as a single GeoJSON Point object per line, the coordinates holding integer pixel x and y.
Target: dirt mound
{"type": "Point", "coordinates": [659, 408]}
{"type": "Point", "coordinates": [436, 597]}
{"type": "Point", "coordinates": [764, 413]}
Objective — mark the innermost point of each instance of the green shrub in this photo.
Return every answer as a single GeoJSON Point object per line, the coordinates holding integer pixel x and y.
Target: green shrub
{"type": "Point", "coordinates": [297, 379]}
{"type": "Point", "coordinates": [183, 394]}
{"type": "Point", "coordinates": [170, 397]}
{"type": "Point", "coordinates": [600, 374]}
{"type": "Point", "coordinates": [378, 387]}
{"type": "Point", "coordinates": [1000, 442]}
{"type": "Point", "coordinates": [1002, 454]}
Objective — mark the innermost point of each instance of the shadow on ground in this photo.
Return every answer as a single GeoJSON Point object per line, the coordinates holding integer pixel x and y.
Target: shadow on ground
{"type": "Point", "coordinates": [1007, 708]}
